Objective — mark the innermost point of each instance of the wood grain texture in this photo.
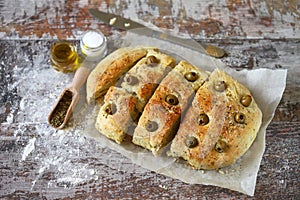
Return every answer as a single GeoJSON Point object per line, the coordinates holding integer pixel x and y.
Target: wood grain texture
{"type": "Point", "coordinates": [199, 19]}
{"type": "Point", "coordinates": [119, 179]}
{"type": "Point", "coordinates": [256, 34]}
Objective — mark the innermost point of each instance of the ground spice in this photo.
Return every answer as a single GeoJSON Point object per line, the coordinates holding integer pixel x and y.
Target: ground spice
{"type": "Point", "coordinates": [59, 114]}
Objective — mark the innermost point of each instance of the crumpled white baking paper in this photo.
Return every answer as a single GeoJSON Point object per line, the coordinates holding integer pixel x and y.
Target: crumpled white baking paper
{"type": "Point", "coordinates": [267, 87]}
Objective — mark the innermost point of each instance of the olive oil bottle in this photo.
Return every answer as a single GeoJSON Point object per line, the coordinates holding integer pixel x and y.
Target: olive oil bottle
{"type": "Point", "coordinates": [63, 56]}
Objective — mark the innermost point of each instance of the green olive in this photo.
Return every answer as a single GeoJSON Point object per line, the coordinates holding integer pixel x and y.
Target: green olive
{"type": "Point", "coordinates": [151, 60]}
{"type": "Point", "coordinates": [131, 80]}
{"type": "Point", "coordinates": [203, 119]}
{"type": "Point", "coordinates": [151, 126]}
{"type": "Point", "coordinates": [220, 86]}
{"type": "Point", "coordinates": [239, 118]}
{"type": "Point", "coordinates": [111, 109]}
{"type": "Point", "coordinates": [221, 146]}
{"type": "Point", "coordinates": [171, 99]}
{"type": "Point", "coordinates": [246, 100]}
{"type": "Point", "coordinates": [191, 76]}
{"type": "Point", "coordinates": [191, 142]}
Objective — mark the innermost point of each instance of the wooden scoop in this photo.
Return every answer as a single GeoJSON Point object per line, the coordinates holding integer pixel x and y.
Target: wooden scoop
{"type": "Point", "coordinates": [63, 108]}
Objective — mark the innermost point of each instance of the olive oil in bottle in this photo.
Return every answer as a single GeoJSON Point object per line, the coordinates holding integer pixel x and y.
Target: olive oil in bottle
{"type": "Point", "coordinates": [63, 57]}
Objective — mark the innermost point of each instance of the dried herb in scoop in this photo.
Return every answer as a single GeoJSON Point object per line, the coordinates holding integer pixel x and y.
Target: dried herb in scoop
{"type": "Point", "coordinates": [59, 114]}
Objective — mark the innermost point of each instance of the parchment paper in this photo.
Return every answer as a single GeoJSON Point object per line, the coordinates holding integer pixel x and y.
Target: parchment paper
{"type": "Point", "coordinates": [266, 86]}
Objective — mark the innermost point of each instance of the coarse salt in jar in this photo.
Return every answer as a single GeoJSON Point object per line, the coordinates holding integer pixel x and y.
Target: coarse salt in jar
{"type": "Point", "coordinates": [93, 45]}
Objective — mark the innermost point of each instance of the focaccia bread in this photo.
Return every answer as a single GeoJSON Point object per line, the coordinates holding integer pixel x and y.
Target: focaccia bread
{"type": "Point", "coordinates": [142, 79]}
{"type": "Point", "coordinates": [210, 120]}
{"type": "Point", "coordinates": [161, 116]}
{"type": "Point", "coordinates": [220, 126]}
{"type": "Point", "coordinates": [117, 117]}
{"type": "Point", "coordinates": [110, 69]}
{"type": "Point", "coordinates": [117, 114]}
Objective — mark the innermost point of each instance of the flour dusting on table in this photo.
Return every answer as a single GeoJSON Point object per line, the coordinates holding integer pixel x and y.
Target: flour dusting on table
{"type": "Point", "coordinates": [65, 158]}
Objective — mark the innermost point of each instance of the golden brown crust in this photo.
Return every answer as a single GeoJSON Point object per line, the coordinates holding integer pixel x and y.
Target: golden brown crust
{"type": "Point", "coordinates": [117, 114]}
{"type": "Point", "coordinates": [226, 137]}
{"type": "Point", "coordinates": [163, 114]}
{"type": "Point", "coordinates": [110, 69]}
{"type": "Point", "coordinates": [137, 87]}
{"type": "Point", "coordinates": [219, 125]}
{"type": "Point", "coordinates": [142, 79]}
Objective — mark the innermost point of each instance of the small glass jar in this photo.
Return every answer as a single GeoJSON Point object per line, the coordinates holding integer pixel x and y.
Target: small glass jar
{"type": "Point", "coordinates": [93, 45]}
{"type": "Point", "coordinates": [63, 56]}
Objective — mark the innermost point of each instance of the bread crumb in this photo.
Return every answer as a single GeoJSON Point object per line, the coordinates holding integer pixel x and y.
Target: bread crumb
{"type": "Point", "coordinates": [163, 186]}
{"type": "Point", "coordinates": [202, 171]}
{"type": "Point", "coordinates": [221, 171]}
{"type": "Point", "coordinates": [112, 21]}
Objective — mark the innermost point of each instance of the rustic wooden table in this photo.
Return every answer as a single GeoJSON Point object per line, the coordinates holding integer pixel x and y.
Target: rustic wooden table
{"type": "Point", "coordinates": [39, 163]}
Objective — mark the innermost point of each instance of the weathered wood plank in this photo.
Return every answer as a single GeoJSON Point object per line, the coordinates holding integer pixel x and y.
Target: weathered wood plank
{"type": "Point", "coordinates": [199, 19]}
{"type": "Point", "coordinates": [115, 177]}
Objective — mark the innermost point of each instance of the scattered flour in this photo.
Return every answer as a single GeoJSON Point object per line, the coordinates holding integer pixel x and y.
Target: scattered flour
{"type": "Point", "coordinates": [29, 148]}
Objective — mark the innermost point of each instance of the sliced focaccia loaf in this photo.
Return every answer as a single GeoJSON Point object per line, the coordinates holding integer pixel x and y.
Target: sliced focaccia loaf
{"type": "Point", "coordinates": [161, 116]}
{"type": "Point", "coordinates": [117, 114]}
{"type": "Point", "coordinates": [110, 69]}
{"type": "Point", "coordinates": [220, 126]}
{"type": "Point", "coordinates": [142, 79]}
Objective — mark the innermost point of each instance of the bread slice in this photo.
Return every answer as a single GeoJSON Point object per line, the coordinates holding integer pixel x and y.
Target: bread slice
{"type": "Point", "coordinates": [110, 69]}
{"type": "Point", "coordinates": [160, 119]}
{"type": "Point", "coordinates": [117, 114]}
{"type": "Point", "coordinates": [142, 79]}
{"type": "Point", "coordinates": [220, 126]}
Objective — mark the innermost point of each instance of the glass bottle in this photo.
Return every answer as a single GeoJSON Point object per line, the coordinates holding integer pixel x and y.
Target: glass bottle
{"type": "Point", "coordinates": [63, 56]}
